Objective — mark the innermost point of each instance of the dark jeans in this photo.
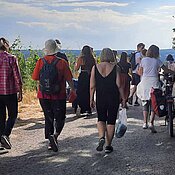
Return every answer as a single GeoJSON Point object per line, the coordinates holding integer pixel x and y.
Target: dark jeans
{"type": "Point", "coordinates": [55, 114]}
{"type": "Point", "coordinates": [11, 103]}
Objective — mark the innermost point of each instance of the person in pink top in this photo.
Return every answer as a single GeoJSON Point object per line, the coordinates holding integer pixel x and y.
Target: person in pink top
{"type": "Point", "coordinates": [10, 92]}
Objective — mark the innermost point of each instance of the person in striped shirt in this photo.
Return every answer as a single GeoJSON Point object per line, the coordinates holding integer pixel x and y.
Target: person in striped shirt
{"type": "Point", "coordinates": [10, 92]}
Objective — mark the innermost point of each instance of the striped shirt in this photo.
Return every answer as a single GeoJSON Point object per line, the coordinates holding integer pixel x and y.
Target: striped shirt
{"type": "Point", "coordinates": [10, 78]}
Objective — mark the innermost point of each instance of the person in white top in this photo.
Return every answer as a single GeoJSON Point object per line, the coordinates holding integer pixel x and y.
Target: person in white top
{"type": "Point", "coordinates": [135, 76]}
{"type": "Point", "coordinates": [149, 71]}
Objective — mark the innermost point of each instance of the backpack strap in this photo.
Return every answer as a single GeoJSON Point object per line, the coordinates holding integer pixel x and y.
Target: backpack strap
{"type": "Point", "coordinates": [44, 60]}
{"type": "Point", "coordinates": [55, 61]}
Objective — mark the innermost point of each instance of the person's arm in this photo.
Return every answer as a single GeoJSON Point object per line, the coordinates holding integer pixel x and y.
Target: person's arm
{"type": "Point", "coordinates": [71, 85]}
{"type": "Point", "coordinates": [121, 89]}
{"type": "Point", "coordinates": [36, 71]}
{"type": "Point", "coordinates": [92, 87]}
{"type": "Point", "coordinates": [18, 79]}
{"type": "Point", "coordinates": [78, 64]}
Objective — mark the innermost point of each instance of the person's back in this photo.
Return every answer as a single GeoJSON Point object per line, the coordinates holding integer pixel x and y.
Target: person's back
{"type": "Point", "coordinates": [105, 81]}
{"type": "Point", "coordinates": [105, 68]}
{"type": "Point", "coordinates": [105, 74]}
{"type": "Point", "coordinates": [151, 67]}
{"type": "Point", "coordinates": [106, 88]}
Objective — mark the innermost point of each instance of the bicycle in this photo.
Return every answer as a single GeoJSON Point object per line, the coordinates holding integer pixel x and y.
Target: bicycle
{"type": "Point", "coordinates": [169, 81]}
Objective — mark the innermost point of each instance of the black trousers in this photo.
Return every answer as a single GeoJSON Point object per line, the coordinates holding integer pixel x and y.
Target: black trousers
{"type": "Point", "coordinates": [10, 103]}
{"type": "Point", "coordinates": [55, 114]}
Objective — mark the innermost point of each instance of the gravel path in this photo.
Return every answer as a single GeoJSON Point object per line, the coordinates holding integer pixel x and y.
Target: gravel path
{"type": "Point", "coordinates": [138, 153]}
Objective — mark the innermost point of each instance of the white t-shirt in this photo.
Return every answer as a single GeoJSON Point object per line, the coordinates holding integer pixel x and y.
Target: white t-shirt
{"type": "Point", "coordinates": [137, 61]}
{"type": "Point", "coordinates": [150, 66]}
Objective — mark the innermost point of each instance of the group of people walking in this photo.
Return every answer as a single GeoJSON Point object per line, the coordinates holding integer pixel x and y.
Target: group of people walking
{"type": "Point", "coordinates": [109, 81]}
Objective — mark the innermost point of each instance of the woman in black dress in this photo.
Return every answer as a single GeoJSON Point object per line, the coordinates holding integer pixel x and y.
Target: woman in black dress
{"type": "Point", "coordinates": [85, 63]}
{"type": "Point", "coordinates": [105, 80]}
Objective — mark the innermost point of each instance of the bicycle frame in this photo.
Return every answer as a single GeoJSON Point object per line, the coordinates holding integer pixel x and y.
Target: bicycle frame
{"type": "Point", "coordinates": [170, 102]}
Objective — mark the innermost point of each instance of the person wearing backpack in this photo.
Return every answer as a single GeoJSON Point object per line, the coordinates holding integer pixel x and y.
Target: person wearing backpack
{"type": "Point", "coordinates": [135, 61]}
{"type": "Point", "coordinates": [52, 74]}
{"type": "Point", "coordinates": [149, 70]}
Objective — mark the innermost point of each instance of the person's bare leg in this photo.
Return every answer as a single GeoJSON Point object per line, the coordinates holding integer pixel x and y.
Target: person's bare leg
{"type": "Point", "coordinates": [145, 116]}
{"type": "Point", "coordinates": [130, 99]}
{"type": "Point", "coordinates": [152, 117]}
{"type": "Point", "coordinates": [145, 119]}
{"type": "Point", "coordinates": [101, 126]}
{"type": "Point", "coordinates": [133, 90]}
{"type": "Point", "coordinates": [109, 134]}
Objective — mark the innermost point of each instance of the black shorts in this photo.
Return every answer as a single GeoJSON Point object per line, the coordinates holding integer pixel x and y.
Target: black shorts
{"type": "Point", "coordinates": [135, 79]}
{"type": "Point", "coordinates": [107, 114]}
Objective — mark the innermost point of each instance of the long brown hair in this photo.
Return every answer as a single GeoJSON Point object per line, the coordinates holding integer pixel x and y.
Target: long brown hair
{"type": "Point", "coordinates": [153, 52]}
{"type": "Point", "coordinates": [87, 57]}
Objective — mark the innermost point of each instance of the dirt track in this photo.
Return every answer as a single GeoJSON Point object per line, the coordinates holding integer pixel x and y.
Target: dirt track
{"type": "Point", "coordinates": [138, 153]}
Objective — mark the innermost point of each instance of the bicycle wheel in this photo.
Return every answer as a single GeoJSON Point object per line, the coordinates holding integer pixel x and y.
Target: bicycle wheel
{"type": "Point", "coordinates": [170, 118]}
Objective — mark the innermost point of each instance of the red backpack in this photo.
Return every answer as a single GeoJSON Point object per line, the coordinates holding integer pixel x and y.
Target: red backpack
{"type": "Point", "coordinates": [158, 101]}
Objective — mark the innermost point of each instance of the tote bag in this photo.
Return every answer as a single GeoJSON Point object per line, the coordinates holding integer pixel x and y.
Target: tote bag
{"type": "Point", "coordinates": [121, 123]}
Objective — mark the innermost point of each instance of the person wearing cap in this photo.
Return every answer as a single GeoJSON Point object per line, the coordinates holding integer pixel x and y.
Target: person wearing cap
{"type": "Point", "coordinates": [59, 53]}
{"type": "Point", "coordinates": [54, 105]}
{"type": "Point", "coordinates": [10, 92]}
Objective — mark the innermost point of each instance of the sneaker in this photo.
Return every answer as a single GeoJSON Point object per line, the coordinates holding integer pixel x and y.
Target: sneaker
{"type": "Point", "coordinates": [100, 144]}
{"type": "Point", "coordinates": [145, 126]}
{"type": "Point", "coordinates": [3, 150]}
{"type": "Point", "coordinates": [5, 142]}
{"type": "Point", "coordinates": [53, 143]}
{"type": "Point", "coordinates": [49, 147]}
{"type": "Point", "coordinates": [108, 149]}
{"type": "Point", "coordinates": [136, 104]}
{"type": "Point", "coordinates": [152, 128]}
{"type": "Point", "coordinates": [130, 100]}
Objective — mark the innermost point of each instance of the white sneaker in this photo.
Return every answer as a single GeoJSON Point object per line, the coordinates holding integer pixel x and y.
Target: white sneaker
{"type": "Point", "coordinates": [145, 126]}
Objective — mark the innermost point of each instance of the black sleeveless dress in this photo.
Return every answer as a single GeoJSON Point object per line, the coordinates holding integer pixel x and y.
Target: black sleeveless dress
{"type": "Point", "coordinates": [107, 96]}
{"type": "Point", "coordinates": [83, 90]}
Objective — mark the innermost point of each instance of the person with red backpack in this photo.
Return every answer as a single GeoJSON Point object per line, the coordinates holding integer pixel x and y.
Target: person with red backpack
{"type": "Point", "coordinates": [149, 71]}
{"type": "Point", "coordinates": [52, 74]}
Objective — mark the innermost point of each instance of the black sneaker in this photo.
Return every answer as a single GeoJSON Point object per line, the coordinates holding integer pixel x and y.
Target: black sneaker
{"type": "Point", "coordinates": [100, 144]}
{"type": "Point", "coordinates": [3, 150]}
{"type": "Point", "coordinates": [108, 149]}
{"type": "Point", "coordinates": [53, 143]}
{"type": "Point", "coordinates": [136, 104]}
{"type": "Point", "coordinates": [5, 142]}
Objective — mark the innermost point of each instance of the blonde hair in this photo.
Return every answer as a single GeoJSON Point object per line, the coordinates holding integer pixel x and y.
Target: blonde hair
{"type": "Point", "coordinates": [107, 55]}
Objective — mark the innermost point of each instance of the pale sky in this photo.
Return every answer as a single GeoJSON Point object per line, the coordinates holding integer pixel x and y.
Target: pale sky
{"type": "Point", "coordinates": [118, 24]}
